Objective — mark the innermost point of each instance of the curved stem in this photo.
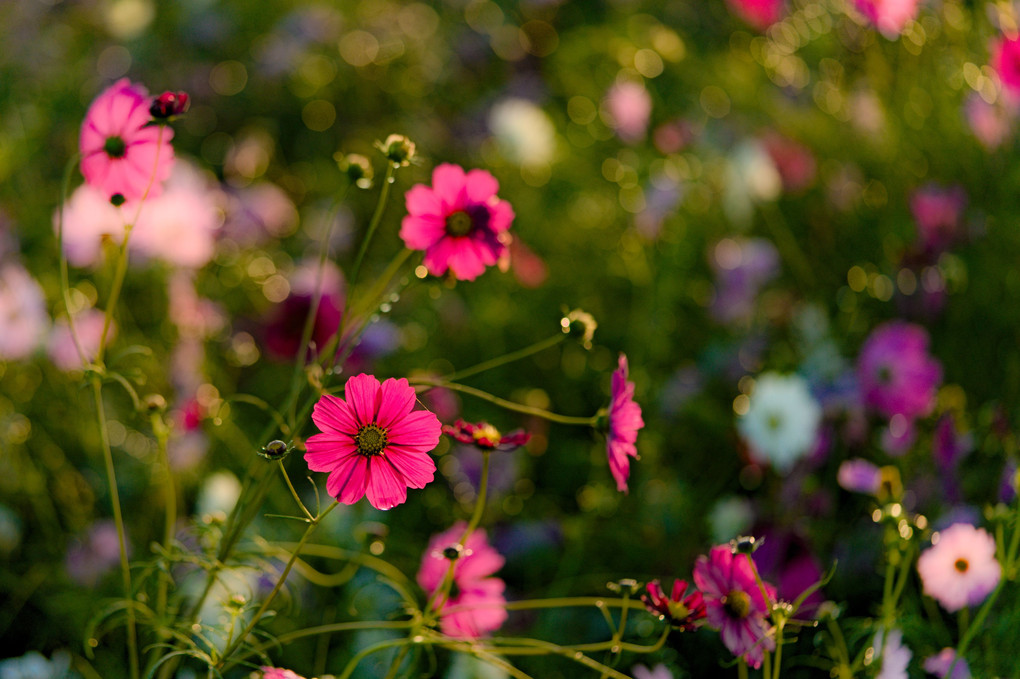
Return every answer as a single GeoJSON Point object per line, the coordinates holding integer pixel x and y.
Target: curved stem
{"type": "Point", "coordinates": [507, 358]}
{"type": "Point", "coordinates": [118, 519]}
{"type": "Point", "coordinates": [503, 403]}
{"type": "Point", "coordinates": [297, 498]}
{"type": "Point", "coordinates": [374, 648]}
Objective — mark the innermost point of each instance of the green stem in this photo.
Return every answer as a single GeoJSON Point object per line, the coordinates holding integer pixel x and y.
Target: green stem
{"type": "Point", "coordinates": [374, 648]}
{"type": "Point", "coordinates": [65, 279]}
{"type": "Point", "coordinates": [162, 433]}
{"type": "Point", "coordinates": [503, 403]}
{"type": "Point", "coordinates": [297, 498]}
{"type": "Point", "coordinates": [742, 669]}
{"type": "Point", "coordinates": [779, 650]}
{"type": "Point", "coordinates": [380, 206]}
{"type": "Point", "coordinates": [118, 519]}
{"type": "Point", "coordinates": [507, 358]}
{"type": "Point", "coordinates": [397, 661]}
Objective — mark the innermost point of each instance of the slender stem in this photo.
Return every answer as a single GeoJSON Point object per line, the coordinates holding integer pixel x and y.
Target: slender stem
{"type": "Point", "coordinates": [374, 648]}
{"type": "Point", "coordinates": [397, 661]}
{"type": "Point", "coordinates": [779, 650]}
{"type": "Point", "coordinates": [742, 669]}
{"type": "Point", "coordinates": [118, 519]}
{"type": "Point", "coordinates": [297, 498]}
{"type": "Point", "coordinates": [507, 358]}
{"type": "Point", "coordinates": [162, 433]}
{"type": "Point", "coordinates": [65, 279]}
{"type": "Point", "coordinates": [766, 666]}
{"type": "Point", "coordinates": [503, 403]}
{"type": "Point", "coordinates": [380, 206]}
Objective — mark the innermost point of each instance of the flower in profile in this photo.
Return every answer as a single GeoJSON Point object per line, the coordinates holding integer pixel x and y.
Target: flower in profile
{"type": "Point", "coordinates": [890, 17]}
{"type": "Point", "coordinates": [940, 663]}
{"type": "Point", "coordinates": [373, 443]}
{"type": "Point", "coordinates": [122, 155]}
{"type": "Point", "coordinates": [476, 605]}
{"type": "Point", "coordinates": [893, 655]}
{"type": "Point", "coordinates": [959, 569]}
{"type": "Point", "coordinates": [781, 422]}
{"type": "Point", "coordinates": [486, 436]}
{"type": "Point", "coordinates": [458, 221]}
{"type": "Point", "coordinates": [897, 375]}
{"type": "Point", "coordinates": [169, 105]}
{"type": "Point", "coordinates": [735, 604]}
{"type": "Point", "coordinates": [622, 422]}
{"type": "Point", "coordinates": [759, 14]}
{"type": "Point", "coordinates": [681, 612]}
{"type": "Point", "coordinates": [1006, 62]}
{"type": "Point", "coordinates": [276, 673]}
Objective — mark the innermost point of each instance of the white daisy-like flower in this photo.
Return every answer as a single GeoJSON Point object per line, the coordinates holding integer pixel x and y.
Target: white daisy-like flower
{"type": "Point", "coordinates": [781, 422]}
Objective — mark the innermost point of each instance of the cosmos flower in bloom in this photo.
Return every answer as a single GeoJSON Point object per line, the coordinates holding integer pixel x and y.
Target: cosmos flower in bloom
{"type": "Point", "coordinates": [897, 375]}
{"type": "Point", "coordinates": [889, 16]}
{"type": "Point", "coordinates": [781, 422]}
{"type": "Point", "coordinates": [681, 612]}
{"type": "Point", "coordinates": [476, 605]}
{"type": "Point", "coordinates": [735, 604]}
{"type": "Point", "coordinates": [893, 655]}
{"type": "Point", "coordinates": [624, 422]}
{"type": "Point", "coordinates": [959, 569]}
{"type": "Point", "coordinates": [458, 221]}
{"type": "Point", "coordinates": [373, 443]}
{"type": "Point", "coordinates": [485, 436]}
{"type": "Point", "coordinates": [122, 155]}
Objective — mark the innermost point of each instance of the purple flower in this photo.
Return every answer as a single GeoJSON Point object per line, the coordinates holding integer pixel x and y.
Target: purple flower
{"type": "Point", "coordinates": [859, 476]}
{"type": "Point", "coordinates": [897, 375]}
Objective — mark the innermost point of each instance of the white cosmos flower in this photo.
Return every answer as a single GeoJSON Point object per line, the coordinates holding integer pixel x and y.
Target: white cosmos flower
{"type": "Point", "coordinates": [524, 132]}
{"type": "Point", "coordinates": [781, 422]}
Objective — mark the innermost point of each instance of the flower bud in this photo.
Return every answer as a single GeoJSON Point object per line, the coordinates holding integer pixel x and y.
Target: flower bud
{"type": "Point", "coordinates": [275, 450]}
{"type": "Point", "coordinates": [398, 149]}
{"type": "Point", "coordinates": [580, 325]}
{"type": "Point", "coordinates": [154, 403]}
{"type": "Point", "coordinates": [357, 168]}
{"type": "Point", "coordinates": [169, 105]}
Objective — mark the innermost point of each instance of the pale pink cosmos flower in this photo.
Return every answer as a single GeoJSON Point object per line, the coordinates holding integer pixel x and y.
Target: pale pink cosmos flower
{"type": "Point", "coordinates": [121, 153]}
{"type": "Point", "coordinates": [88, 326]}
{"type": "Point", "coordinates": [624, 422]}
{"type": "Point", "coordinates": [1006, 62]}
{"type": "Point", "coordinates": [24, 322]}
{"type": "Point", "coordinates": [940, 663]}
{"type": "Point", "coordinates": [458, 221]}
{"type": "Point", "coordinates": [889, 16]}
{"type": "Point", "coordinates": [478, 606]}
{"type": "Point", "coordinates": [960, 568]}
{"type": "Point", "coordinates": [735, 603]}
{"type": "Point", "coordinates": [759, 14]}
{"type": "Point", "coordinates": [992, 124]}
{"type": "Point", "coordinates": [897, 375]}
{"type": "Point", "coordinates": [628, 107]}
{"type": "Point", "coordinates": [88, 221]}
{"type": "Point", "coordinates": [373, 443]}
{"type": "Point", "coordinates": [277, 673]}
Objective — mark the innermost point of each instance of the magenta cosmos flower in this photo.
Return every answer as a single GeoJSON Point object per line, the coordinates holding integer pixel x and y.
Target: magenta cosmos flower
{"type": "Point", "coordinates": [1006, 62]}
{"type": "Point", "coordinates": [897, 375]}
{"type": "Point", "coordinates": [758, 13]}
{"type": "Point", "coordinates": [477, 605]}
{"type": "Point", "coordinates": [458, 221]}
{"type": "Point", "coordinates": [681, 612]}
{"type": "Point", "coordinates": [960, 568]}
{"type": "Point", "coordinates": [278, 673]}
{"type": "Point", "coordinates": [373, 443]}
{"type": "Point", "coordinates": [121, 153]}
{"type": "Point", "coordinates": [623, 422]}
{"type": "Point", "coordinates": [735, 603]}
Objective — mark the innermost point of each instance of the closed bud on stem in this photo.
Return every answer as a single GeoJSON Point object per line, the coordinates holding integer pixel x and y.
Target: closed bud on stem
{"type": "Point", "coordinates": [357, 168]}
{"type": "Point", "coordinates": [169, 105]}
{"type": "Point", "coordinates": [398, 149]}
{"type": "Point", "coordinates": [275, 450]}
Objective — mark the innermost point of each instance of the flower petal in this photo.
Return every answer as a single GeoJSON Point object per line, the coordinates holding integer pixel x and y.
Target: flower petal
{"type": "Point", "coordinates": [396, 399]}
{"type": "Point", "coordinates": [347, 482]}
{"type": "Point", "coordinates": [386, 488]}
{"type": "Point", "coordinates": [362, 394]}
{"type": "Point", "coordinates": [328, 451]}
{"type": "Point", "coordinates": [418, 469]}
{"type": "Point", "coordinates": [418, 432]}
{"type": "Point", "coordinates": [479, 186]}
{"type": "Point", "coordinates": [448, 185]}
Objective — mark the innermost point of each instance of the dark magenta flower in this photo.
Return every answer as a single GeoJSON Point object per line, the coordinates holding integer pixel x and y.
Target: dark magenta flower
{"type": "Point", "coordinates": [760, 14]}
{"type": "Point", "coordinates": [897, 375]}
{"type": "Point", "coordinates": [624, 422]}
{"type": "Point", "coordinates": [735, 604]}
{"type": "Point", "coordinates": [682, 612]}
{"type": "Point", "coordinates": [1006, 62]}
{"type": "Point", "coordinates": [938, 213]}
{"type": "Point", "coordinates": [169, 105]}
{"type": "Point", "coordinates": [485, 436]}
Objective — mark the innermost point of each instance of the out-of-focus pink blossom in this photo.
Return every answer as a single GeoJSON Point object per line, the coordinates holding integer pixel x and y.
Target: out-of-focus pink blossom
{"type": "Point", "coordinates": [938, 213]}
{"type": "Point", "coordinates": [960, 568]}
{"type": "Point", "coordinates": [257, 213]}
{"type": "Point", "coordinates": [992, 124]}
{"type": "Point", "coordinates": [899, 436]}
{"type": "Point", "coordinates": [859, 476]}
{"type": "Point", "coordinates": [759, 14]}
{"type": "Point", "coordinates": [673, 136]}
{"type": "Point", "coordinates": [889, 16]}
{"type": "Point", "coordinates": [794, 161]}
{"type": "Point", "coordinates": [87, 560]}
{"type": "Point", "coordinates": [24, 322]}
{"type": "Point", "coordinates": [88, 326]}
{"type": "Point", "coordinates": [897, 375]}
{"type": "Point", "coordinates": [1006, 62]}
{"type": "Point", "coordinates": [285, 327]}
{"type": "Point", "coordinates": [940, 663]}
{"type": "Point", "coordinates": [628, 108]}
{"type": "Point", "coordinates": [88, 221]}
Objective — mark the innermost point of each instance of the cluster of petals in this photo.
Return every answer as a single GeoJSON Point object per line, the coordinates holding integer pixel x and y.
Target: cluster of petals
{"type": "Point", "coordinates": [897, 375]}
{"type": "Point", "coordinates": [735, 603]}
{"type": "Point", "coordinates": [680, 611]}
{"type": "Point", "coordinates": [960, 569]}
{"type": "Point", "coordinates": [477, 606]}
{"type": "Point", "coordinates": [485, 436]}
{"type": "Point", "coordinates": [624, 422]}
{"type": "Point", "coordinates": [372, 442]}
{"type": "Point", "coordinates": [890, 17]}
{"type": "Point", "coordinates": [122, 154]}
{"type": "Point", "coordinates": [458, 221]}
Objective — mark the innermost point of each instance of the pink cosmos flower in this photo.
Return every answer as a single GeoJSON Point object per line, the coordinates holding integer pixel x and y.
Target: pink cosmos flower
{"type": "Point", "coordinates": [628, 107]}
{"type": "Point", "coordinates": [889, 16]}
{"type": "Point", "coordinates": [624, 422]}
{"type": "Point", "coordinates": [485, 436]}
{"type": "Point", "coordinates": [278, 673]}
{"type": "Point", "coordinates": [1006, 62]}
{"type": "Point", "coordinates": [992, 124]}
{"type": "Point", "coordinates": [88, 221]}
{"type": "Point", "coordinates": [959, 569]}
{"type": "Point", "coordinates": [940, 663]}
{"type": "Point", "coordinates": [938, 212]}
{"type": "Point", "coordinates": [373, 443]}
{"type": "Point", "coordinates": [897, 375]}
{"type": "Point", "coordinates": [477, 606]}
{"type": "Point", "coordinates": [735, 604]}
{"type": "Point", "coordinates": [121, 153]}
{"type": "Point", "coordinates": [88, 326]}
{"type": "Point", "coordinates": [760, 14]}
{"type": "Point", "coordinates": [23, 318]}
{"type": "Point", "coordinates": [681, 612]}
{"type": "Point", "coordinates": [458, 221]}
